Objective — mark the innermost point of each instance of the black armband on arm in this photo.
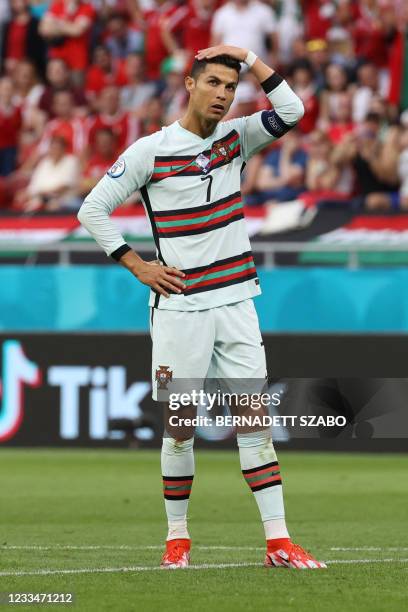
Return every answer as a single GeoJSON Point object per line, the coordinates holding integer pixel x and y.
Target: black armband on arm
{"type": "Point", "coordinates": [274, 124]}
{"type": "Point", "coordinates": [272, 82]}
{"type": "Point", "coordinates": [117, 254]}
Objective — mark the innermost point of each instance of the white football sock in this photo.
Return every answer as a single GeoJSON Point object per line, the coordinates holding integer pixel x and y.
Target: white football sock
{"type": "Point", "coordinates": [177, 464]}
{"type": "Point", "coordinates": [261, 471]}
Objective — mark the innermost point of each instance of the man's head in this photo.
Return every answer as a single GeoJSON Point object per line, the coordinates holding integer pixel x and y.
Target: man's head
{"type": "Point", "coordinates": [105, 142]}
{"type": "Point", "coordinates": [57, 73]}
{"type": "Point", "coordinates": [211, 85]}
{"type": "Point", "coordinates": [109, 100]}
{"type": "Point", "coordinates": [63, 104]}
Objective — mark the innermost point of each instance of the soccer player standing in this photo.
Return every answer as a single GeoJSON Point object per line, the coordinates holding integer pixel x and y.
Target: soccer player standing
{"type": "Point", "coordinates": [202, 314]}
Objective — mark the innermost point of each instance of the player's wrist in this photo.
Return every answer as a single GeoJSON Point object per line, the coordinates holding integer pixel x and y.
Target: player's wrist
{"type": "Point", "coordinates": [250, 58]}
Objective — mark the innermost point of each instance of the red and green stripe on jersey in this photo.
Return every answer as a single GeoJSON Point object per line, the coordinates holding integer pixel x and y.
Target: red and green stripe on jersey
{"type": "Point", "coordinates": [177, 487]}
{"type": "Point", "coordinates": [199, 219]}
{"type": "Point", "coordinates": [221, 273]}
{"type": "Point", "coordinates": [223, 151]}
{"type": "Point", "coordinates": [264, 476]}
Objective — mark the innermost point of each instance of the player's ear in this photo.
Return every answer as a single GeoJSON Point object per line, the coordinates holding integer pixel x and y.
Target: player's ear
{"type": "Point", "coordinates": [189, 83]}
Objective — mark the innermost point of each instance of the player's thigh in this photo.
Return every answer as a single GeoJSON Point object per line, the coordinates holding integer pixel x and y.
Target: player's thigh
{"type": "Point", "coordinates": [239, 349]}
{"type": "Point", "coordinates": [182, 346]}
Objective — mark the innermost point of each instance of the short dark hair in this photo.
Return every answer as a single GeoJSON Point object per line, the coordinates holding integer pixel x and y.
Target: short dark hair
{"type": "Point", "coordinates": [225, 60]}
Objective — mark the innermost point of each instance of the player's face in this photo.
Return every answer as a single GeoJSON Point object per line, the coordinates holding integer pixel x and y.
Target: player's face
{"type": "Point", "coordinates": [213, 92]}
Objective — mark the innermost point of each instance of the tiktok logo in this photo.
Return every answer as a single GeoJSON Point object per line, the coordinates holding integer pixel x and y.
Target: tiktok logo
{"type": "Point", "coordinates": [17, 371]}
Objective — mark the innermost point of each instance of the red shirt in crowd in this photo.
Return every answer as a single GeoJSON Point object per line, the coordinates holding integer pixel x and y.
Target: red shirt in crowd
{"type": "Point", "coordinates": [16, 40]}
{"type": "Point", "coordinates": [318, 18]}
{"type": "Point", "coordinates": [197, 29]}
{"type": "Point", "coordinates": [97, 79]}
{"type": "Point", "coordinates": [98, 165]}
{"type": "Point", "coordinates": [73, 130]}
{"type": "Point", "coordinates": [74, 50]}
{"type": "Point", "coordinates": [370, 40]}
{"type": "Point", "coordinates": [10, 124]}
{"type": "Point", "coordinates": [337, 131]}
{"type": "Point", "coordinates": [124, 125]}
{"type": "Point", "coordinates": [155, 50]}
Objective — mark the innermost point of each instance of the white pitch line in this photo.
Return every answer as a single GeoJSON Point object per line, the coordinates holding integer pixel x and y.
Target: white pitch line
{"type": "Point", "coordinates": [160, 547]}
{"type": "Point", "coordinates": [119, 547]}
{"type": "Point", "coordinates": [149, 568]}
{"type": "Point", "coordinates": [114, 570]}
{"type": "Point", "coordinates": [372, 548]}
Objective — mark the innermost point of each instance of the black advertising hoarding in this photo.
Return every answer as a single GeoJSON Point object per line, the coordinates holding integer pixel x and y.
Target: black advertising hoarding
{"type": "Point", "coordinates": [95, 390]}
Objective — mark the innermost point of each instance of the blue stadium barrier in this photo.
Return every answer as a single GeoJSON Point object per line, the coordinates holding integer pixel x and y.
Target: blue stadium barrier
{"type": "Point", "coordinates": [107, 298]}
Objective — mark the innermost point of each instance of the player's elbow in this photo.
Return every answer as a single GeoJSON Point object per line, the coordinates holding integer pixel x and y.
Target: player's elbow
{"type": "Point", "coordinates": [83, 214]}
{"type": "Point", "coordinates": [298, 110]}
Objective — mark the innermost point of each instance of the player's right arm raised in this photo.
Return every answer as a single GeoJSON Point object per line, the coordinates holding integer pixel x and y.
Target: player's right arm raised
{"type": "Point", "coordinates": [131, 172]}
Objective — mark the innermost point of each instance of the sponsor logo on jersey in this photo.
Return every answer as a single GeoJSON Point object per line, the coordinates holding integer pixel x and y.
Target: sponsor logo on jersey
{"type": "Point", "coordinates": [117, 169]}
{"type": "Point", "coordinates": [163, 376]}
{"type": "Point", "coordinates": [203, 162]}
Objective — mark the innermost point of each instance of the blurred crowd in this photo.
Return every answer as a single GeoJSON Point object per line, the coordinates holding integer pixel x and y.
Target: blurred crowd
{"type": "Point", "coordinates": [81, 80]}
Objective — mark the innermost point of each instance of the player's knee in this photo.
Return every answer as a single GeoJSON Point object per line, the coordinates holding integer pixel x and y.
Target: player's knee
{"type": "Point", "coordinates": [177, 445]}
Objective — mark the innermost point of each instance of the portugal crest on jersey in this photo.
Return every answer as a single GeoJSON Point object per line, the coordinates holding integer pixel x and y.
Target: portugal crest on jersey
{"type": "Point", "coordinates": [163, 376]}
{"type": "Point", "coordinates": [221, 151]}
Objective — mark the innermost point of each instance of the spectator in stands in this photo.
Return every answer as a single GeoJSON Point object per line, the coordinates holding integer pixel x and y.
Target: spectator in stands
{"type": "Point", "coordinates": [59, 79]}
{"type": "Point", "coordinates": [28, 87]}
{"type": "Point", "coordinates": [341, 122]}
{"type": "Point", "coordinates": [27, 94]}
{"type": "Point", "coordinates": [10, 124]}
{"type": "Point", "coordinates": [174, 97]}
{"type": "Point", "coordinates": [54, 180]}
{"type": "Point", "coordinates": [122, 38]}
{"type": "Point", "coordinates": [324, 177]}
{"type": "Point", "coordinates": [245, 101]}
{"type": "Point", "coordinates": [403, 169]}
{"type": "Point", "coordinates": [318, 15]}
{"type": "Point", "coordinates": [137, 90]}
{"type": "Point", "coordinates": [20, 38]}
{"type": "Point", "coordinates": [290, 28]}
{"type": "Point", "coordinates": [375, 163]}
{"type": "Point", "coordinates": [66, 27]}
{"type": "Point", "coordinates": [152, 121]}
{"type": "Point", "coordinates": [367, 87]}
{"type": "Point", "coordinates": [103, 156]}
{"type": "Point", "coordinates": [282, 174]}
{"type": "Point", "coordinates": [163, 33]}
{"type": "Point", "coordinates": [318, 56]}
{"type": "Point", "coordinates": [336, 84]}
{"type": "Point", "coordinates": [66, 124]}
{"type": "Point", "coordinates": [105, 70]}
{"type": "Point", "coordinates": [123, 124]}
{"type": "Point", "coordinates": [197, 27]}
{"type": "Point", "coordinates": [371, 32]}
{"type": "Point", "coordinates": [260, 25]}
{"type": "Point", "coordinates": [302, 80]}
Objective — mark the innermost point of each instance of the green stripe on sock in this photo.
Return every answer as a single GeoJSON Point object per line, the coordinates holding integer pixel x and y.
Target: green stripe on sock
{"type": "Point", "coordinates": [256, 479]}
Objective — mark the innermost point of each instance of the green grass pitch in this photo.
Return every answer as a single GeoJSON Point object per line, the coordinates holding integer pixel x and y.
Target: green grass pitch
{"type": "Point", "coordinates": [103, 510]}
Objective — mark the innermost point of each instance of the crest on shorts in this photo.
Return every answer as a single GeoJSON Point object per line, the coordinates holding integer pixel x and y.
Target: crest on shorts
{"type": "Point", "coordinates": [163, 376]}
{"type": "Point", "coordinates": [221, 151]}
